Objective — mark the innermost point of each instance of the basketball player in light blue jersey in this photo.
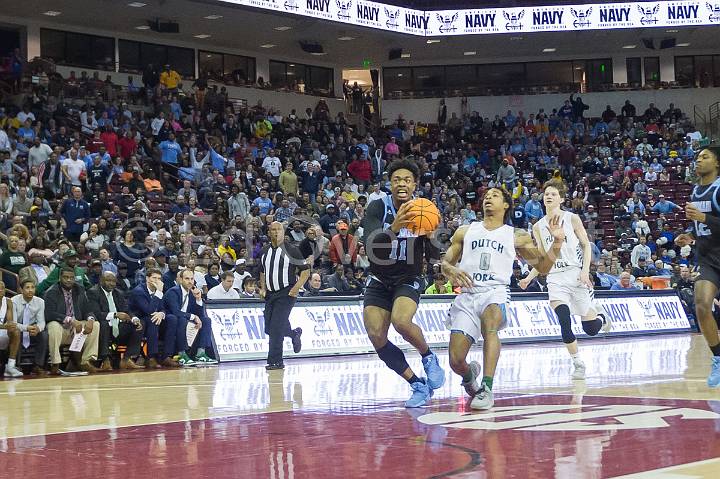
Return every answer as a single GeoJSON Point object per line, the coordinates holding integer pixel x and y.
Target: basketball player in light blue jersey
{"type": "Point", "coordinates": [480, 261]}
{"type": "Point", "coordinates": [704, 211]}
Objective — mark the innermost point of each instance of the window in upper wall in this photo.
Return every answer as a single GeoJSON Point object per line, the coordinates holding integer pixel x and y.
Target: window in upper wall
{"type": "Point", "coordinates": [685, 70]}
{"type": "Point", "coordinates": [704, 75]}
{"type": "Point", "coordinates": [549, 73]}
{"type": "Point", "coordinates": [226, 67]}
{"type": "Point", "coordinates": [652, 69]}
{"type": "Point", "coordinates": [397, 79]}
{"type": "Point", "coordinates": [78, 49]}
{"type": "Point", "coordinates": [634, 70]}
{"type": "Point", "coordinates": [136, 56]}
{"type": "Point", "coordinates": [302, 78]}
{"type": "Point", "coordinates": [598, 72]}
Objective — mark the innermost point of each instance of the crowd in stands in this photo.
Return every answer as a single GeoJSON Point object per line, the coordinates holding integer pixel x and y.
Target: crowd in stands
{"type": "Point", "coordinates": [100, 199]}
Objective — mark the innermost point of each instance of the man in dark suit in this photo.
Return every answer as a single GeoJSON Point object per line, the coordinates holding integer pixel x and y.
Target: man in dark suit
{"type": "Point", "coordinates": [67, 311]}
{"type": "Point", "coordinates": [184, 302]}
{"type": "Point", "coordinates": [110, 308]}
{"type": "Point", "coordinates": [378, 167]}
{"type": "Point", "coordinates": [146, 303]}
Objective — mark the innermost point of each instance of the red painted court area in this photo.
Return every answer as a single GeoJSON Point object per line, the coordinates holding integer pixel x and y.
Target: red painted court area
{"type": "Point", "coordinates": [538, 436]}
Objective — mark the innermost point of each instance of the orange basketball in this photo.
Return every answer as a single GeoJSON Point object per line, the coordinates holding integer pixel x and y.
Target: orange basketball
{"type": "Point", "coordinates": [425, 216]}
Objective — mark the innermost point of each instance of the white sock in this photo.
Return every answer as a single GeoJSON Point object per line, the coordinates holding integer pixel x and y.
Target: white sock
{"type": "Point", "coordinates": [576, 358]}
{"type": "Point", "coordinates": [11, 363]}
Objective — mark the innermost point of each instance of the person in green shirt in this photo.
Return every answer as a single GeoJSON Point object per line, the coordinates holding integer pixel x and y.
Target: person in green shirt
{"type": "Point", "coordinates": [70, 260]}
{"type": "Point", "coordinates": [12, 259]}
{"type": "Point", "coordinates": [440, 286]}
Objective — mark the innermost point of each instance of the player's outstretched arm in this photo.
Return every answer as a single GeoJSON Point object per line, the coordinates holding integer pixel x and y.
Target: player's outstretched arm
{"type": "Point", "coordinates": [538, 258]}
{"type": "Point", "coordinates": [534, 273]}
{"type": "Point", "coordinates": [587, 250]}
{"type": "Point", "coordinates": [448, 266]}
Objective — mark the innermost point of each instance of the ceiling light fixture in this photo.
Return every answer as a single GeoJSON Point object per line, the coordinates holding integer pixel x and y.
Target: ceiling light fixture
{"type": "Point", "coordinates": [202, 36]}
{"type": "Point", "coordinates": [682, 45]}
{"type": "Point", "coordinates": [549, 50]}
{"type": "Point", "coordinates": [433, 40]}
{"type": "Point", "coordinates": [213, 17]}
{"type": "Point", "coordinates": [52, 13]}
{"type": "Point", "coordinates": [346, 39]}
{"type": "Point", "coordinates": [404, 55]}
{"type": "Point", "coordinates": [142, 27]}
{"type": "Point", "coordinates": [467, 54]}
{"type": "Point", "coordinates": [628, 47]}
{"type": "Point", "coordinates": [318, 54]}
{"type": "Point", "coordinates": [267, 45]}
{"type": "Point", "coordinates": [672, 31]}
{"type": "Point", "coordinates": [282, 29]}
{"type": "Point", "coordinates": [137, 4]}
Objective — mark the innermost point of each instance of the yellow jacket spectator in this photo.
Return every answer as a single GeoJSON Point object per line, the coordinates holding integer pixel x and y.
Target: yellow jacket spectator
{"type": "Point", "coordinates": [439, 286]}
{"type": "Point", "coordinates": [262, 128]}
{"type": "Point", "coordinates": [170, 79]}
{"type": "Point", "coordinates": [225, 247]}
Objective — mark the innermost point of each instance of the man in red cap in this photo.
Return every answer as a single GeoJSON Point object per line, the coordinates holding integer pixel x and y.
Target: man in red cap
{"type": "Point", "coordinates": [343, 248]}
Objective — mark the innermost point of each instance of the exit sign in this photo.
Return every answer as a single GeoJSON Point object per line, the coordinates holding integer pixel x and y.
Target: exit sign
{"type": "Point", "coordinates": [366, 63]}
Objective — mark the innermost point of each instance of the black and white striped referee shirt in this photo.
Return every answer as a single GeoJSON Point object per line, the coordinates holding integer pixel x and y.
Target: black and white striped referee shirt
{"type": "Point", "coordinates": [281, 266]}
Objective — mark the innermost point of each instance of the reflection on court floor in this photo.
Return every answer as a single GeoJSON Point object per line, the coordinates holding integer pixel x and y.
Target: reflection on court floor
{"type": "Point", "coordinates": [644, 406]}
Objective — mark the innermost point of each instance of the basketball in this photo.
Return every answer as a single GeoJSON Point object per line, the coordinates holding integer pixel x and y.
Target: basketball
{"type": "Point", "coordinates": [425, 217]}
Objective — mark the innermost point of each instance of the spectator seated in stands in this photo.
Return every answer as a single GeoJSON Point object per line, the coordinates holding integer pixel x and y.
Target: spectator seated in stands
{"type": "Point", "coordinates": [664, 206]}
{"type": "Point", "coordinates": [225, 289]}
{"type": "Point", "coordinates": [338, 281]}
{"type": "Point", "coordinates": [343, 247]}
{"type": "Point", "coordinates": [624, 284]}
{"type": "Point", "coordinates": [70, 260]}
{"type": "Point", "coordinates": [313, 287]}
{"type": "Point", "coordinates": [440, 285]}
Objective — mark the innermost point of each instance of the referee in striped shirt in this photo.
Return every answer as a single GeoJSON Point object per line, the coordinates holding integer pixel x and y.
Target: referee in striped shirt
{"type": "Point", "coordinates": [283, 272]}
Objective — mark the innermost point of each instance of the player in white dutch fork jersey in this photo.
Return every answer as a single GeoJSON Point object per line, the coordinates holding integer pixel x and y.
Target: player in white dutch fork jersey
{"type": "Point", "coordinates": [569, 285]}
{"type": "Point", "coordinates": [486, 251]}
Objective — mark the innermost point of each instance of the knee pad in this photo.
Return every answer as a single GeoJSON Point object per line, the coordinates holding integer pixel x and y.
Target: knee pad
{"type": "Point", "coordinates": [591, 328]}
{"type": "Point", "coordinates": [393, 357]}
{"type": "Point", "coordinates": [563, 314]}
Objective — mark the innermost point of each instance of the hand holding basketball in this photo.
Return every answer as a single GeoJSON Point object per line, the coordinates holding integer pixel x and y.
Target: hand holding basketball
{"type": "Point", "coordinates": [401, 218]}
{"type": "Point", "coordinates": [424, 217]}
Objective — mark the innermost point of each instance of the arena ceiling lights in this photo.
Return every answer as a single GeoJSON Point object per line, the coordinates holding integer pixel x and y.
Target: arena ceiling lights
{"type": "Point", "coordinates": [605, 16]}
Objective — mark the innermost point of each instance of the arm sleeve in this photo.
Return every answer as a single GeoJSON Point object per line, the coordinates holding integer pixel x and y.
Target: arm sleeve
{"type": "Point", "coordinates": [138, 305]}
{"type": "Point", "coordinates": [294, 252]}
{"type": "Point", "coordinates": [373, 222]}
{"type": "Point", "coordinates": [41, 316]}
{"type": "Point", "coordinates": [712, 221]}
{"type": "Point", "coordinates": [432, 252]}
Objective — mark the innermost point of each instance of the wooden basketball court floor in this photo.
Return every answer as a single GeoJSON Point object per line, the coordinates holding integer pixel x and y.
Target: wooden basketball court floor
{"type": "Point", "coordinates": [644, 411]}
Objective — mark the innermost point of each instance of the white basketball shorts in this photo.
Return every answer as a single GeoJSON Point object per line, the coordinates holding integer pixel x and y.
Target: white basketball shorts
{"type": "Point", "coordinates": [467, 310]}
{"type": "Point", "coordinates": [577, 296]}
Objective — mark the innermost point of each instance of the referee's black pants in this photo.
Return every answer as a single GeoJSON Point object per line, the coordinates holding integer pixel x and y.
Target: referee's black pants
{"type": "Point", "coordinates": [278, 305]}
